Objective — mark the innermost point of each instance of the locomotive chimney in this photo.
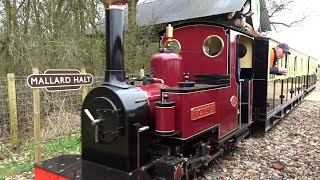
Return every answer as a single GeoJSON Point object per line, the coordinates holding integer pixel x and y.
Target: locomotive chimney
{"type": "Point", "coordinates": [115, 74]}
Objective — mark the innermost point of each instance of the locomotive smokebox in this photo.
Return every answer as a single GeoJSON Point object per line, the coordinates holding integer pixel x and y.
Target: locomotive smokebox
{"type": "Point", "coordinates": [114, 113]}
{"type": "Point", "coordinates": [115, 74]}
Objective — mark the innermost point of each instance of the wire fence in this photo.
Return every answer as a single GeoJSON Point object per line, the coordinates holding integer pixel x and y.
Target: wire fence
{"type": "Point", "coordinates": [59, 113]}
{"type": "Point", "coordinates": [4, 112]}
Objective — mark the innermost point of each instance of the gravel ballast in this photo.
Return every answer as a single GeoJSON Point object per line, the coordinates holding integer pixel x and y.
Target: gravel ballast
{"type": "Point", "coordinates": [290, 150]}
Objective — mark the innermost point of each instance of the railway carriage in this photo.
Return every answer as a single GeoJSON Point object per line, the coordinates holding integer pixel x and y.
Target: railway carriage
{"type": "Point", "coordinates": [276, 95]}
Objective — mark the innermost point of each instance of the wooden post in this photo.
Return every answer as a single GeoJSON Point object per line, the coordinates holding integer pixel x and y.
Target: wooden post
{"type": "Point", "coordinates": [141, 73]}
{"type": "Point", "coordinates": [13, 110]}
{"type": "Point", "coordinates": [84, 87]}
{"type": "Point", "coordinates": [36, 116]}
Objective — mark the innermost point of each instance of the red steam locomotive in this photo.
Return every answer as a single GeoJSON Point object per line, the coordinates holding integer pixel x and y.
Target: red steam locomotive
{"type": "Point", "coordinates": [213, 92]}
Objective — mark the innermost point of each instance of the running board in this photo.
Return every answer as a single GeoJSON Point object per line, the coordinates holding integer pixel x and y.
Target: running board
{"type": "Point", "coordinates": [241, 135]}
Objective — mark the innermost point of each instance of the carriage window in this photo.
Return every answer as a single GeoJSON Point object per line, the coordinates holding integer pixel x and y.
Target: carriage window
{"type": "Point", "coordinates": [174, 45]}
{"type": "Point", "coordinates": [213, 46]}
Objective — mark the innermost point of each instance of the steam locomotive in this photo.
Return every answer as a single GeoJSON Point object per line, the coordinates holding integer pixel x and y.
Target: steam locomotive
{"type": "Point", "coordinates": [210, 87]}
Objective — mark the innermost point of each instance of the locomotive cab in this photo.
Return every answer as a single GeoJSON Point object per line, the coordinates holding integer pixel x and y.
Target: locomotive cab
{"type": "Point", "coordinates": [210, 97]}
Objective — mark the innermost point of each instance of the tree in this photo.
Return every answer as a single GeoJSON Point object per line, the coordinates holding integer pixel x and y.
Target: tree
{"type": "Point", "coordinates": [277, 8]}
{"type": "Point", "coordinates": [53, 34]}
{"type": "Point", "coordinates": [10, 25]}
{"type": "Point", "coordinates": [132, 6]}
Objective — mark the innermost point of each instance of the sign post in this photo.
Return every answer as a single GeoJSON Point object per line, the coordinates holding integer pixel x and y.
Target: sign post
{"type": "Point", "coordinates": [60, 80]}
{"type": "Point", "coordinates": [52, 80]}
{"type": "Point", "coordinates": [36, 120]}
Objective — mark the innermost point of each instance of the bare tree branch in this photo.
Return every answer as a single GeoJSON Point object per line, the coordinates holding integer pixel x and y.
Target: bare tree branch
{"type": "Point", "coordinates": [293, 23]}
{"type": "Point", "coordinates": [21, 5]}
{"type": "Point", "coordinates": [276, 8]}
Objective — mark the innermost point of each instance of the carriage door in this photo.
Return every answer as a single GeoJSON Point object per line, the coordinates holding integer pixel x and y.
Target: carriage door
{"type": "Point", "coordinates": [245, 59]}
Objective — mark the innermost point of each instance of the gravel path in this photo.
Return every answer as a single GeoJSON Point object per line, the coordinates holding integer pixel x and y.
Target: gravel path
{"type": "Point", "coordinates": [290, 150]}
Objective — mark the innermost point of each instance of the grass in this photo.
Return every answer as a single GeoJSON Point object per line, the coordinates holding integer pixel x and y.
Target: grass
{"type": "Point", "coordinates": [24, 163]}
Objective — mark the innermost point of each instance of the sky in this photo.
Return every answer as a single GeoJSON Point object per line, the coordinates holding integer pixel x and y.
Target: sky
{"type": "Point", "coordinates": [304, 37]}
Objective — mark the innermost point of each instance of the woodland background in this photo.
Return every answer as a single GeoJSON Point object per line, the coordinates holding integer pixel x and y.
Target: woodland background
{"type": "Point", "coordinates": [54, 34]}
